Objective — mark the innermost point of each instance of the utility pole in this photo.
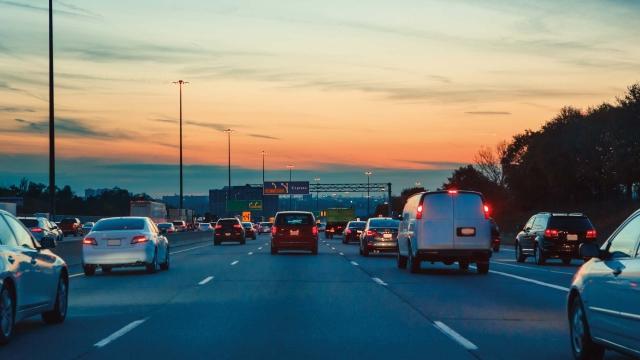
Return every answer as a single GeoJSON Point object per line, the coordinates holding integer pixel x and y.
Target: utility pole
{"type": "Point", "coordinates": [368, 173]}
{"type": "Point", "coordinates": [290, 167]}
{"type": "Point", "coordinates": [263, 208]}
{"type": "Point", "coordinates": [228, 131]}
{"type": "Point", "coordinates": [52, 143]}
{"type": "Point", "coordinates": [180, 83]}
{"type": "Point", "coordinates": [317, 193]}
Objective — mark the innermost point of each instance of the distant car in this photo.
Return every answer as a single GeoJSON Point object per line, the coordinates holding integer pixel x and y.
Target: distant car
{"type": "Point", "coordinates": [322, 226]}
{"type": "Point", "coordinates": [56, 229]}
{"type": "Point", "coordinates": [335, 228]}
{"type": "Point", "coordinates": [40, 228]}
{"type": "Point", "coordinates": [180, 225]}
{"type": "Point", "coordinates": [33, 280]}
{"type": "Point", "coordinates": [495, 236]}
{"type": "Point", "coordinates": [554, 235]}
{"type": "Point", "coordinates": [249, 232]}
{"type": "Point", "coordinates": [229, 229]}
{"type": "Point", "coordinates": [379, 234]}
{"type": "Point", "coordinates": [86, 227]}
{"type": "Point", "coordinates": [353, 231]}
{"type": "Point", "coordinates": [602, 306]}
{"type": "Point", "coordinates": [448, 226]}
{"type": "Point", "coordinates": [205, 226]}
{"type": "Point", "coordinates": [167, 228]}
{"type": "Point", "coordinates": [294, 230]}
{"type": "Point", "coordinates": [71, 226]}
{"type": "Point", "coordinates": [265, 227]}
{"type": "Point", "coordinates": [124, 242]}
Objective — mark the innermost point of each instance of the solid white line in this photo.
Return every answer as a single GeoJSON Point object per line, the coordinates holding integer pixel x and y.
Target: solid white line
{"type": "Point", "coordinates": [205, 280]}
{"type": "Point", "coordinates": [354, 263]}
{"type": "Point", "coordinates": [76, 275]}
{"type": "Point", "coordinates": [119, 333]}
{"type": "Point", "coordinates": [260, 248]}
{"type": "Point", "coordinates": [455, 336]}
{"type": "Point", "coordinates": [250, 253]}
{"type": "Point", "coordinates": [510, 250]}
{"type": "Point", "coordinates": [541, 283]}
{"type": "Point", "coordinates": [235, 262]}
{"type": "Point", "coordinates": [531, 268]}
{"type": "Point", "coordinates": [341, 254]}
{"type": "Point", "coordinates": [379, 281]}
{"type": "Point", "coordinates": [189, 249]}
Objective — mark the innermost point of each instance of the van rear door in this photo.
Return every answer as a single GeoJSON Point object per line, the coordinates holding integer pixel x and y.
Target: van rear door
{"type": "Point", "coordinates": [437, 222]}
{"type": "Point", "coordinates": [471, 230]}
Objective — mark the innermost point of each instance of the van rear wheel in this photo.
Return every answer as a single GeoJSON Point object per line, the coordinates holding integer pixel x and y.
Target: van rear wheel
{"type": "Point", "coordinates": [483, 267]}
{"type": "Point", "coordinates": [520, 257]}
{"type": "Point", "coordinates": [401, 261]}
{"type": "Point", "coordinates": [463, 265]}
{"type": "Point", "coordinates": [412, 263]}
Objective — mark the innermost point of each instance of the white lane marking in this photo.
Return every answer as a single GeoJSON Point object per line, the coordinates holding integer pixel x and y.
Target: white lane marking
{"type": "Point", "coordinates": [455, 336]}
{"type": "Point", "coordinates": [341, 253]}
{"type": "Point", "coordinates": [354, 263]}
{"type": "Point", "coordinates": [379, 281]}
{"type": "Point", "coordinates": [235, 262]}
{"type": "Point", "coordinates": [250, 253]}
{"type": "Point", "coordinates": [104, 342]}
{"type": "Point", "coordinates": [260, 248]}
{"type": "Point", "coordinates": [205, 280]}
{"type": "Point", "coordinates": [531, 268]}
{"type": "Point", "coordinates": [541, 283]}
{"type": "Point", "coordinates": [332, 248]}
{"type": "Point", "coordinates": [266, 244]}
{"type": "Point", "coordinates": [189, 249]}
{"type": "Point", "coordinates": [510, 250]}
{"type": "Point", "coordinates": [76, 275]}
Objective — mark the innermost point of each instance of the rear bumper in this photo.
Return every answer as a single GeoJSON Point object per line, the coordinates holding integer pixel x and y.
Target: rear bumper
{"type": "Point", "coordinates": [562, 248]}
{"type": "Point", "coordinates": [382, 246]}
{"type": "Point", "coordinates": [232, 237]}
{"type": "Point", "coordinates": [454, 255]}
{"type": "Point", "coordinates": [287, 244]}
{"type": "Point", "coordinates": [135, 255]}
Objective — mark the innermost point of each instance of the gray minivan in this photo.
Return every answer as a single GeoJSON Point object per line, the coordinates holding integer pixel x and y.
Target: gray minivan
{"type": "Point", "coordinates": [445, 226]}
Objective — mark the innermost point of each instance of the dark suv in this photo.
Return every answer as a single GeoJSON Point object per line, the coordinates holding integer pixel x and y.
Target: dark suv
{"type": "Point", "coordinates": [353, 231]}
{"type": "Point", "coordinates": [294, 230]}
{"type": "Point", "coordinates": [229, 229]}
{"type": "Point", "coordinates": [71, 226]}
{"type": "Point", "coordinates": [554, 235]}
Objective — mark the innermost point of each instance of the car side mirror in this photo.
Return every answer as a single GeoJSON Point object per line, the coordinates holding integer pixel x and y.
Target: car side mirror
{"type": "Point", "coordinates": [589, 251]}
{"type": "Point", "coordinates": [47, 243]}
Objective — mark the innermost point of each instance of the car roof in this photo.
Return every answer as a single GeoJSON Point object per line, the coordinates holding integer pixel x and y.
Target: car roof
{"type": "Point", "coordinates": [294, 212]}
{"type": "Point", "coordinates": [576, 214]}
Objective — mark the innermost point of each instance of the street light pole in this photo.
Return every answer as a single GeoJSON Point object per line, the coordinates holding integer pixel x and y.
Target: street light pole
{"type": "Point", "coordinates": [263, 210]}
{"type": "Point", "coordinates": [180, 83]}
{"type": "Point", "coordinates": [317, 193]}
{"type": "Point", "coordinates": [52, 144]}
{"type": "Point", "coordinates": [290, 196]}
{"type": "Point", "coordinates": [368, 173]}
{"type": "Point", "coordinates": [228, 131]}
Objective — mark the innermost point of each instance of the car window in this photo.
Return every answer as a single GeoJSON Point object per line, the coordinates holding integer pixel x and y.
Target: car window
{"type": "Point", "coordinates": [30, 223]}
{"type": "Point", "coordinates": [294, 219]}
{"type": "Point", "coordinates": [539, 223]}
{"type": "Point", "coordinates": [624, 242]}
{"type": "Point", "coordinates": [570, 223]}
{"type": "Point", "coordinates": [6, 235]}
{"type": "Point", "coordinates": [357, 225]}
{"type": "Point", "coordinates": [119, 224]}
{"type": "Point", "coordinates": [383, 223]}
{"type": "Point", "coordinates": [529, 223]}
{"type": "Point", "coordinates": [22, 235]}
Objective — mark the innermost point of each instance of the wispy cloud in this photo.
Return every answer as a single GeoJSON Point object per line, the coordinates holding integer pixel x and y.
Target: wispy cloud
{"type": "Point", "coordinates": [261, 136]}
{"type": "Point", "coordinates": [16, 109]}
{"type": "Point", "coordinates": [68, 126]}
{"type": "Point", "coordinates": [71, 10]}
{"type": "Point", "coordinates": [487, 112]}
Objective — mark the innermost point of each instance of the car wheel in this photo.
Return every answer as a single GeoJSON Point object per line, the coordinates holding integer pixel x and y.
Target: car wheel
{"type": "Point", "coordinates": [243, 241]}
{"type": "Point", "coordinates": [7, 315]}
{"type": "Point", "coordinates": [152, 267]}
{"type": "Point", "coordinates": [216, 243]}
{"type": "Point", "coordinates": [365, 251]}
{"type": "Point", "coordinates": [581, 344]}
{"type": "Point", "coordinates": [314, 250]}
{"type": "Point", "coordinates": [59, 311]}
{"type": "Point", "coordinates": [463, 265]}
{"type": "Point", "coordinates": [412, 263]}
{"type": "Point", "coordinates": [566, 261]}
{"type": "Point", "coordinates": [520, 257]}
{"type": "Point", "coordinates": [496, 248]}
{"type": "Point", "coordinates": [539, 255]}
{"type": "Point", "coordinates": [167, 261]}
{"type": "Point", "coordinates": [402, 261]}
{"type": "Point", "coordinates": [106, 269]}
{"type": "Point", "coordinates": [89, 270]}
{"type": "Point", "coordinates": [483, 267]}
{"type": "Point", "coordinates": [274, 251]}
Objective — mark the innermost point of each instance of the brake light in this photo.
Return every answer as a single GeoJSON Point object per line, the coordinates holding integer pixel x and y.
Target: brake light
{"type": "Point", "coordinates": [453, 192]}
{"type": "Point", "coordinates": [348, 231]}
{"type": "Point", "coordinates": [89, 241]}
{"type": "Point", "coordinates": [314, 230]}
{"type": "Point", "coordinates": [274, 230]}
{"type": "Point", "coordinates": [139, 239]}
{"type": "Point", "coordinates": [419, 213]}
{"type": "Point", "coordinates": [371, 232]}
{"type": "Point", "coordinates": [237, 226]}
{"type": "Point", "coordinates": [592, 234]}
{"type": "Point", "coordinates": [551, 233]}
{"type": "Point", "coordinates": [218, 226]}
{"type": "Point", "coordinates": [486, 211]}
{"type": "Point", "coordinates": [36, 230]}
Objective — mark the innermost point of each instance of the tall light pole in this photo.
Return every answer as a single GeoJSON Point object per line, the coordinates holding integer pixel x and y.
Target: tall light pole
{"type": "Point", "coordinates": [263, 211]}
{"type": "Point", "coordinates": [290, 167]}
{"type": "Point", "coordinates": [368, 173]}
{"type": "Point", "coordinates": [180, 83]}
{"type": "Point", "coordinates": [228, 131]}
{"type": "Point", "coordinates": [52, 144]}
{"type": "Point", "coordinates": [317, 180]}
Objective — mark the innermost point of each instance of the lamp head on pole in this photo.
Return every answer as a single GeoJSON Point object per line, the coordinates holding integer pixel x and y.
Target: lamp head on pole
{"type": "Point", "coordinates": [368, 173]}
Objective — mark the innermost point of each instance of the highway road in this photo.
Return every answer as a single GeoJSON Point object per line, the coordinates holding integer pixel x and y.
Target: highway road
{"type": "Point", "coordinates": [232, 301]}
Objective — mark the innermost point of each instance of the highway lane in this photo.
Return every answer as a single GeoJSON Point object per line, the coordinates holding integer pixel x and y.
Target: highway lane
{"type": "Point", "coordinates": [236, 301]}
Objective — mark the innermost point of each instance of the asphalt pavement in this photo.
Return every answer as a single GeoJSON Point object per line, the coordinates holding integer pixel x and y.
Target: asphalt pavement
{"type": "Point", "coordinates": [237, 302]}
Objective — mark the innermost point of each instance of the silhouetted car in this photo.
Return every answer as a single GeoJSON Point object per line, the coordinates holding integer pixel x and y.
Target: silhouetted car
{"type": "Point", "coordinates": [71, 226]}
{"type": "Point", "coordinates": [249, 231]}
{"type": "Point", "coordinates": [554, 235]}
{"type": "Point", "coordinates": [265, 227]}
{"type": "Point", "coordinates": [40, 228]}
{"type": "Point", "coordinates": [602, 306]}
{"type": "Point", "coordinates": [180, 225]}
{"type": "Point", "coordinates": [334, 228]}
{"type": "Point", "coordinates": [229, 229]}
{"type": "Point", "coordinates": [167, 228]}
{"type": "Point", "coordinates": [379, 234]}
{"type": "Point", "coordinates": [205, 226]}
{"type": "Point", "coordinates": [86, 227]}
{"type": "Point", "coordinates": [294, 230]}
{"type": "Point", "coordinates": [353, 231]}
{"type": "Point", "coordinates": [495, 236]}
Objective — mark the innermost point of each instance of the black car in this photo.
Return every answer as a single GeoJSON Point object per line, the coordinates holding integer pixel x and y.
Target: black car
{"type": "Point", "coordinates": [381, 235]}
{"type": "Point", "coordinates": [249, 231]}
{"type": "Point", "coordinates": [554, 235]}
{"type": "Point", "coordinates": [229, 229]}
{"type": "Point", "coordinates": [335, 228]}
{"type": "Point", "coordinates": [353, 231]}
{"type": "Point", "coordinates": [41, 228]}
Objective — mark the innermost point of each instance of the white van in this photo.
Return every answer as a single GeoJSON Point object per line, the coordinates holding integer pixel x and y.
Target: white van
{"type": "Point", "coordinates": [448, 226]}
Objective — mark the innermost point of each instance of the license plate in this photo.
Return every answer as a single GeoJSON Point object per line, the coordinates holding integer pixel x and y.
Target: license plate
{"type": "Point", "coordinates": [466, 231]}
{"type": "Point", "coordinates": [227, 234]}
{"type": "Point", "coordinates": [387, 236]}
{"type": "Point", "coordinates": [572, 237]}
{"type": "Point", "coordinates": [294, 232]}
{"type": "Point", "coordinates": [115, 242]}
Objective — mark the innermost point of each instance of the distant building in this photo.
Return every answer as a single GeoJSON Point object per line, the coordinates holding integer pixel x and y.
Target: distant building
{"type": "Point", "coordinates": [218, 201]}
{"type": "Point", "coordinates": [94, 192]}
{"type": "Point", "coordinates": [197, 203]}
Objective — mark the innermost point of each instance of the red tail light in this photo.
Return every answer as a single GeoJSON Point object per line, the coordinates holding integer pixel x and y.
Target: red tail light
{"type": "Point", "coordinates": [218, 226]}
{"type": "Point", "coordinates": [274, 230]}
{"type": "Point", "coordinates": [419, 213]}
{"type": "Point", "coordinates": [348, 231]}
{"type": "Point", "coordinates": [237, 226]}
{"type": "Point", "coordinates": [139, 239]}
{"type": "Point", "coordinates": [314, 230]}
{"type": "Point", "coordinates": [36, 230]}
{"type": "Point", "coordinates": [592, 234]}
{"type": "Point", "coordinates": [371, 232]}
{"type": "Point", "coordinates": [89, 241]}
{"type": "Point", "coordinates": [486, 211]}
{"type": "Point", "coordinates": [551, 233]}
{"type": "Point", "coordinates": [452, 192]}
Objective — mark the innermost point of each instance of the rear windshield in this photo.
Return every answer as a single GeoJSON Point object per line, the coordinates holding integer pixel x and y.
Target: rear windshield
{"type": "Point", "coordinates": [357, 225]}
{"type": "Point", "coordinates": [294, 219]}
{"type": "Point", "coordinates": [179, 223]}
{"type": "Point", "coordinates": [164, 225]}
{"type": "Point", "coordinates": [570, 223]}
{"type": "Point", "coordinates": [68, 221]}
{"type": "Point", "coordinates": [384, 223]}
{"type": "Point", "coordinates": [119, 224]}
{"type": "Point", "coordinates": [265, 224]}
{"type": "Point", "coordinates": [247, 224]}
{"type": "Point", "coordinates": [30, 223]}
{"type": "Point", "coordinates": [228, 222]}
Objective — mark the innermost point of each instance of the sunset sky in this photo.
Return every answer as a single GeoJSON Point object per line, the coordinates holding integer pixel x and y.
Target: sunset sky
{"type": "Point", "coordinates": [410, 89]}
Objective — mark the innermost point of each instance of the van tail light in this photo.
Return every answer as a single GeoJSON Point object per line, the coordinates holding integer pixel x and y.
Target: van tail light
{"type": "Point", "coordinates": [486, 211]}
{"type": "Point", "coordinates": [452, 192]}
{"type": "Point", "coordinates": [218, 227]}
{"type": "Point", "coordinates": [551, 233]}
{"type": "Point", "coordinates": [138, 239]}
{"type": "Point", "coordinates": [36, 229]}
{"type": "Point", "coordinates": [314, 230]}
{"type": "Point", "coordinates": [89, 241]}
{"type": "Point", "coordinates": [592, 234]}
{"type": "Point", "coordinates": [419, 213]}
{"type": "Point", "coordinates": [274, 230]}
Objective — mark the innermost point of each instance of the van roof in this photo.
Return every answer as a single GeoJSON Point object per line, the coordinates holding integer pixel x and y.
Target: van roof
{"type": "Point", "coordinates": [448, 192]}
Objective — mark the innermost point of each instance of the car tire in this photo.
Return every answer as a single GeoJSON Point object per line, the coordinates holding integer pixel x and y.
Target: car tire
{"type": "Point", "coordinates": [243, 241]}
{"type": "Point", "coordinates": [496, 248]}
{"type": "Point", "coordinates": [216, 243]}
{"type": "Point", "coordinates": [89, 270]}
{"type": "Point", "coordinates": [401, 261]}
{"type": "Point", "coordinates": [520, 256]}
{"type": "Point", "coordinates": [539, 256]}
{"type": "Point", "coordinates": [152, 267]}
{"type": "Point", "coordinates": [344, 240]}
{"type": "Point", "coordinates": [483, 267]}
{"type": "Point", "coordinates": [274, 251]}
{"type": "Point", "coordinates": [59, 311]}
{"type": "Point", "coordinates": [314, 250]}
{"type": "Point", "coordinates": [582, 345]}
{"type": "Point", "coordinates": [253, 237]}
{"type": "Point", "coordinates": [167, 261]}
{"type": "Point", "coordinates": [463, 265]}
{"type": "Point", "coordinates": [7, 315]}
{"type": "Point", "coordinates": [365, 251]}
{"type": "Point", "coordinates": [412, 263]}
{"type": "Point", "coordinates": [566, 261]}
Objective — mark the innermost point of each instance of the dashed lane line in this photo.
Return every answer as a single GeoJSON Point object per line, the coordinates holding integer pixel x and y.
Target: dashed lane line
{"type": "Point", "coordinates": [454, 335]}
{"type": "Point", "coordinates": [205, 280]}
{"type": "Point", "coordinates": [109, 339]}
{"type": "Point", "coordinates": [235, 262]}
{"type": "Point", "coordinates": [379, 281]}
{"type": "Point", "coordinates": [354, 263]}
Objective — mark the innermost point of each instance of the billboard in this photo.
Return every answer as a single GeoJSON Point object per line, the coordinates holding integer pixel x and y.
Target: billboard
{"type": "Point", "coordinates": [244, 205]}
{"type": "Point", "coordinates": [285, 188]}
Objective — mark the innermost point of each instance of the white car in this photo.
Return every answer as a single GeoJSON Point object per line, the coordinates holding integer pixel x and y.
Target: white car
{"type": "Point", "coordinates": [205, 226]}
{"type": "Point", "coordinates": [33, 280]}
{"type": "Point", "coordinates": [180, 225]}
{"type": "Point", "coordinates": [265, 227]}
{"type": "Point", "coordinates": [448, 226]}
{"type": "Point", "coordinates": [125, 241]}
